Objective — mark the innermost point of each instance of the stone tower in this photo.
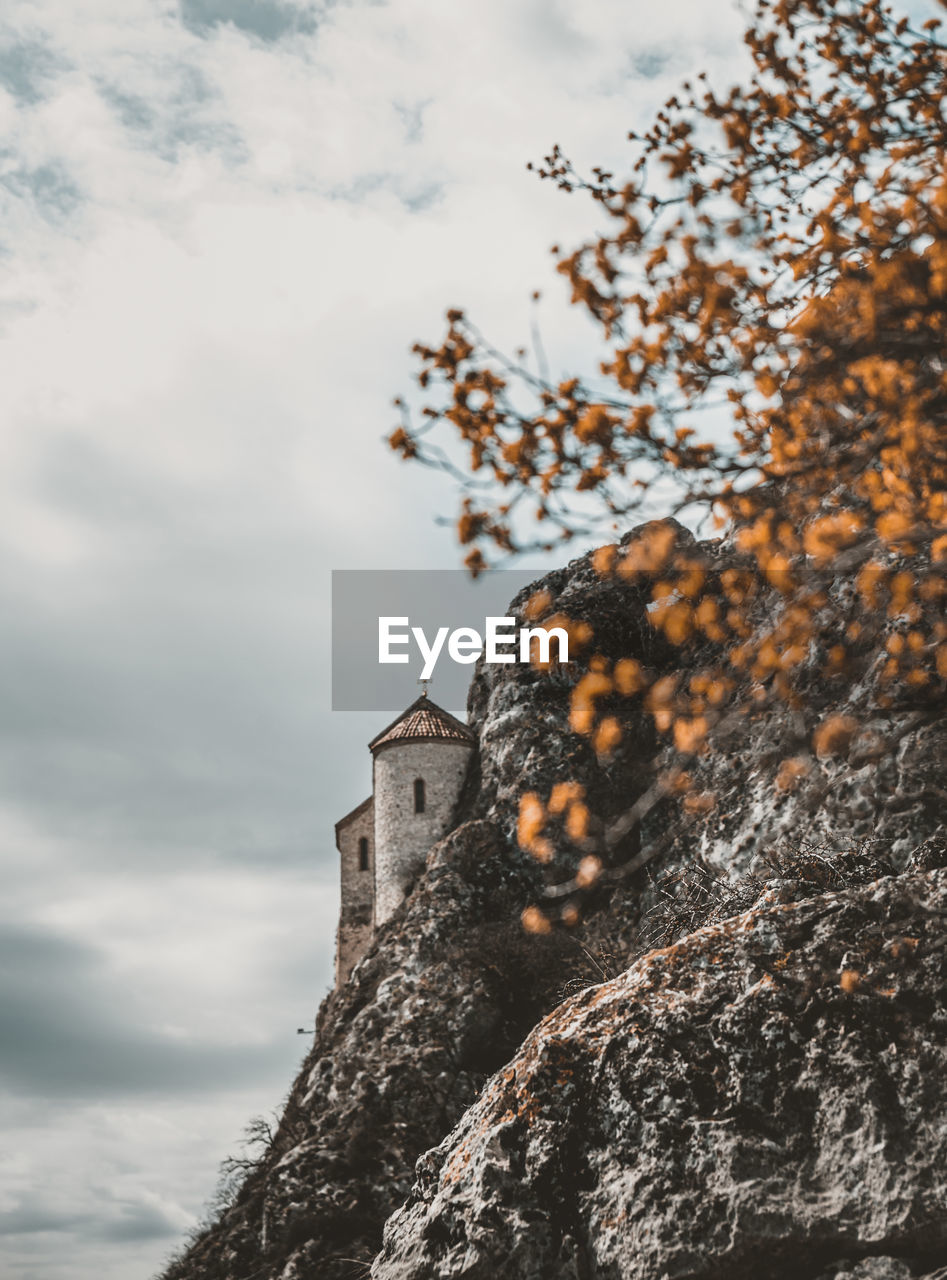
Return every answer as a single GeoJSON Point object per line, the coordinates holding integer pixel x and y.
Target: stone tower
{"type": "Point", "coordinates": [418, 765]}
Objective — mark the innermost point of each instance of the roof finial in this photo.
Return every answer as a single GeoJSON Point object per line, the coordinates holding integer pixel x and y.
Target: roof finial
{"type": "Point", "coordinates": [424, 684]}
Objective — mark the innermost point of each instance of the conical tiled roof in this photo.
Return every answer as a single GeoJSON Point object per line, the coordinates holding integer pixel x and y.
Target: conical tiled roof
{"type": "Point", "coordinates": [424, 720]}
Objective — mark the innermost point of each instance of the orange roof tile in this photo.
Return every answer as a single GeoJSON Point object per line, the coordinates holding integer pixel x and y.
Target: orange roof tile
{"type": "Point", "coordinates": [426, 721]}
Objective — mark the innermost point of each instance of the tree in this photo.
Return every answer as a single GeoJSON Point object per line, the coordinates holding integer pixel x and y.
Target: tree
{"type": "Point", "coordinates": [772, 299]}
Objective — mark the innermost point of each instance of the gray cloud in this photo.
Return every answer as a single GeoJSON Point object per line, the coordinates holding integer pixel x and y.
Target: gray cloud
{"type": "Point", "coordinates": [27, 68]}
{"type": "Point", "coordinates": [32, 1219]}
{"type": "Point", "coordinates": [128, 1220]}
{"type": "Point", "coordinates": [49, 186]}
{"type": "Point", "coordinates": [188, 115]}
{"type": "Point", "coordinates": [415, 197]}
{"type": "Point", "coordinates": [125, 737]}
{"type": "Point", "coordinates": [648, 63]}
{"type": "Point", "coordinates": [266, 19]}
{"type": "Point", "coordinates": [136, 1221]}
{"type": "Point", "coordinates": [412, 117]}
{"type": "Point", "coordinates": [110, 720]}
{"type": "Point", "coordinates": [71, 1031]}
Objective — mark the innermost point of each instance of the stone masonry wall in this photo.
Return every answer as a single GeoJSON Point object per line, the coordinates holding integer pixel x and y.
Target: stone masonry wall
{"type": "Point", "coordinates": [355, 914]}
{"type": "Point", "coordinates": [403, 837]}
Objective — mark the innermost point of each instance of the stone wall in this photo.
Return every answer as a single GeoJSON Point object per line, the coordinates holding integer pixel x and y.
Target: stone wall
{"type": "Point", "coordinates": [403, 837]}
{"type": "Point", "coordinates": [355, 914]}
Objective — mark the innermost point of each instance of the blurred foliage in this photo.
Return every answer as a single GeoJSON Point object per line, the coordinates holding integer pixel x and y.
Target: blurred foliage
{"type": "Point", "coordinates": [771, 297]}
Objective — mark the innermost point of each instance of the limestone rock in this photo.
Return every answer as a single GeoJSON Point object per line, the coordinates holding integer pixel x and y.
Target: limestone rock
{"type": "Point", "coordinates": [764, 1098]}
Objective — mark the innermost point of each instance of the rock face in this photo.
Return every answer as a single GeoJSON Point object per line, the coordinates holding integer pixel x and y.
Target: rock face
{"type": "Point", "coordinates": [400, 1051]}
{"type": "Point", "coordinates": [763, 1097]}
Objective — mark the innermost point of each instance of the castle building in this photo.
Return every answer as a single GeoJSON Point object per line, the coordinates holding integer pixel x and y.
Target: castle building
{"type": "Point", "coordinates": [419, 763]}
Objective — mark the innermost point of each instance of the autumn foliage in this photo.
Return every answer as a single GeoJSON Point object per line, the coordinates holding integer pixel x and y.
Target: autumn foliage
{"type": "Point", "coordinates": [771, 292]}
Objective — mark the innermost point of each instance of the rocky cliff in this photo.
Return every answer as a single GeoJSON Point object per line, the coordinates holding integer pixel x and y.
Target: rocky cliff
{"type": "Point", "coordinates": [762, 1094]}
{"type": "Point", "coordinates": [765, 1097]}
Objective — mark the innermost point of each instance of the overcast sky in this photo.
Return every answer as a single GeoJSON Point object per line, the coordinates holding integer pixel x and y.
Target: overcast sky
{"type": "Point", "coordinates": [224, 223]}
